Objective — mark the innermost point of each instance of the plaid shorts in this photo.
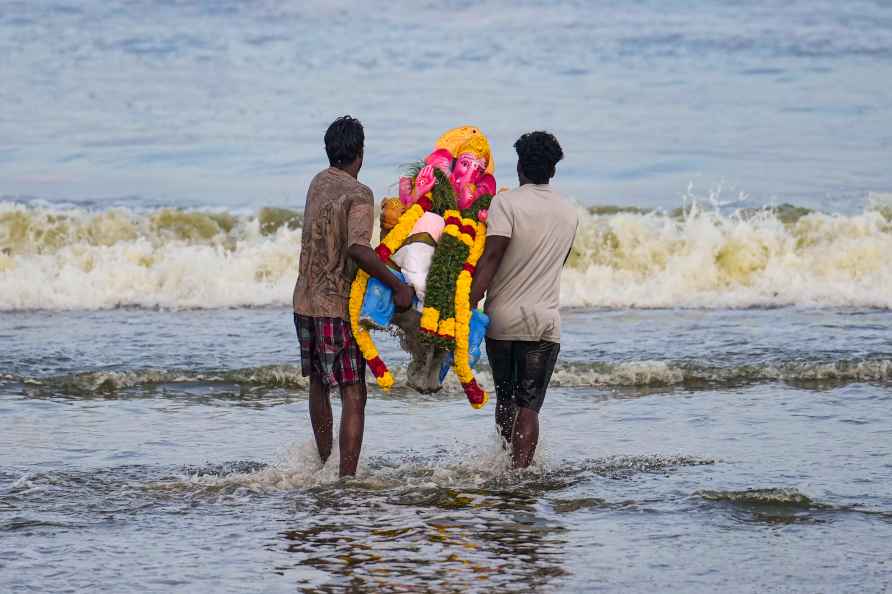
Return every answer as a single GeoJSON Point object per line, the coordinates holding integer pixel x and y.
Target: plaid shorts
{"type": "Point", "coordinates": [328, 350]}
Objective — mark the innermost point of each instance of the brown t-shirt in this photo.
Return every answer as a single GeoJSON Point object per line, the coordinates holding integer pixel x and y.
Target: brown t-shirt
{"type": "Point", "coordinates": [338, 214]}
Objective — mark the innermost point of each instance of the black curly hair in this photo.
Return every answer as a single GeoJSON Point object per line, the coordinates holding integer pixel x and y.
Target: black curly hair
{"type": "Point", "coordinates": [537, 154]}
{"type": "Point", "coordinates": [344, 141]}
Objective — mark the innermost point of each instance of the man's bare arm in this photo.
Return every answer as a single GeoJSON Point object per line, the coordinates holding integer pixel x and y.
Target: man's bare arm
{"type": "Point", "coordinates": [366, 259]}
{"type": "Point", "coordinates": [487, 266]}
{"type": "Point", "coordinates": [572, 243]}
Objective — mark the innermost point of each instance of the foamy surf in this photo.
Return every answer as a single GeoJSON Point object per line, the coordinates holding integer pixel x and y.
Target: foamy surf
{"type": "Point", "coordinates": [261, 381]}
{"type": "Point", "coordinates": [748, 259]}
{"type": "Point", "coordinates": [165, 258]}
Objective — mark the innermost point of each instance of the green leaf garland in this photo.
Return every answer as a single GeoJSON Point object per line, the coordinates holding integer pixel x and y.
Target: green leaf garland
{"type": "Point", "coordinates": [447, 263]}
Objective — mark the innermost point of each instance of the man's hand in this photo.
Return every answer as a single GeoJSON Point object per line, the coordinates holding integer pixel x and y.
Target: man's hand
{"type": "Point", "coordinates": [403, 297]}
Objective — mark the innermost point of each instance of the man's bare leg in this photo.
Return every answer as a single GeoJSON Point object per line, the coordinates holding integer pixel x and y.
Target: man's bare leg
{"type": "Point", "coordinates": [526, 437]}
{"type": "Point", "coordinates": [353, 398]}
{"type": "Point", "coordinates": [506, 412]}
{"type": "Point", "coordinates": [320, 416]}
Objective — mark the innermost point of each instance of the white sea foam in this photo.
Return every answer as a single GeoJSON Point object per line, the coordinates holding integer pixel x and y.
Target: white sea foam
{"type": "Point", "coordinates": [76, 259]}
{"type": "Point", "coordinates": [705, 260]}
{"type": "Point", "coordinates": [170, 259]}
{"type": "Point", "coordinates": [268, 381]}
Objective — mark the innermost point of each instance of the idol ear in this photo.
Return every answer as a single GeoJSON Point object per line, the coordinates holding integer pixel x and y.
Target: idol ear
{"type": "Point", "coordinates": [486, 186]}
{"type": "Point", "coordinates": [441, 159]}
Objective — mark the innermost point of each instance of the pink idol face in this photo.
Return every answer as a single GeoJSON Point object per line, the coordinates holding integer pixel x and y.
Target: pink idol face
{"type": "Point", "coordinates": [468, 168]}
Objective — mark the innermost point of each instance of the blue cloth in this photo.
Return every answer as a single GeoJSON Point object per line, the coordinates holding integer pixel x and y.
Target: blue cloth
{"type": "Point", "coordinates": [479, 325]}
{"type": "Point", "coordinates": [377, 304]}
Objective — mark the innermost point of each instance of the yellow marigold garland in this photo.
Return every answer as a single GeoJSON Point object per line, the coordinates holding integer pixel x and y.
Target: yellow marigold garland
{"type": "Point", "coordinates": [362, 336]}
{"type": "Point", "coordinates": [479, 242]}
{"type": "Point", "coordinates": [462, 365]}
{"type": "Point", "coordinates": [430, 319]}
{"type": "Point", "coordinates": [459, 326]}
{"type": "Point", "coordinates": [392, 242]}
{"type": "Point", "coordinates": [397, 236]}
{"type": "Point", "coordinates": [447, 327]}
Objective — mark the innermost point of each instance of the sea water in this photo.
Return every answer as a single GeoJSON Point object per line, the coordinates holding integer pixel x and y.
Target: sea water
{"type": "Point", "coordinates": [718, 419]}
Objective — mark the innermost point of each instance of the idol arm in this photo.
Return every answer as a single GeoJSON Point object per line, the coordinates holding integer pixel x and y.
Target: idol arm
{"type": "Point", "coordinates": [487, 266]}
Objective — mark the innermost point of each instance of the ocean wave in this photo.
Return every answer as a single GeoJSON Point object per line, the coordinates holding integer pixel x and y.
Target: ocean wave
{"type": "Point", "coordinates": [778, 497]}
{"type": "Point", "coordinates": [166, 258]}
{"type": "Point", "coordinates": [634, 374]}
{"type": "Point", "coordinates": [783, 506]}
{"type": "Point", "coordinates": [762, 258]}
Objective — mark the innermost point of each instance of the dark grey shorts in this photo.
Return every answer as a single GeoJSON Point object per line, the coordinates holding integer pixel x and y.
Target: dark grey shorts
{"type": "Point", "coordinates": [522, 370]}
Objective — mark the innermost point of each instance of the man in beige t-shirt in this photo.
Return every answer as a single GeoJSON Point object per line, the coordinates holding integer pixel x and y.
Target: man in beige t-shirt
{"type": "Point", "coordinates": [530, 232]}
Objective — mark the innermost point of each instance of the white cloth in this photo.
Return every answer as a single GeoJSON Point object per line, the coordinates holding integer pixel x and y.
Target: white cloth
{"type": "Point", "coordinates": [414, 261]}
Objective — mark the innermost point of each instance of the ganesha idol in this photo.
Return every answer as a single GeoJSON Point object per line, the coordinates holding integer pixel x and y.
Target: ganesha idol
{"type": "Point", "coordinates": [433, 236]}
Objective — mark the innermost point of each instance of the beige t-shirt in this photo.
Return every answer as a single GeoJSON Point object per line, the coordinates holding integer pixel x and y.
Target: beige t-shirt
{"type": "Point", "coordinates": [523, 300]}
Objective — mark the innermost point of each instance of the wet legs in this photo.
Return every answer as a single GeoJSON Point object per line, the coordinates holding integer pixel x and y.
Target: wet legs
{"type": "Point", "coordinates": [519, 428]}
{"type": "Point", "coordinates": [353, 399]}
{"type": "Point", "coordinates": [320, 416]}
{"type": "Point", "coordinates": [506, 411]}
{"type": "Point", "coordinates": [525, 437]}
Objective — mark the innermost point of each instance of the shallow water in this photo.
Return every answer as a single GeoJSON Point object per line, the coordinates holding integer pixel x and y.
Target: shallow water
{"type": "Point", "coordinates": [171, 450]}
{"type": "Point", "coordinates": [719, 418]}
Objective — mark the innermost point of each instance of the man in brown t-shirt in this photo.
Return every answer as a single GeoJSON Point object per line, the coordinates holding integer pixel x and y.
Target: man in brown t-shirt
{"type": "Point", "coordinates": [337, 229]}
